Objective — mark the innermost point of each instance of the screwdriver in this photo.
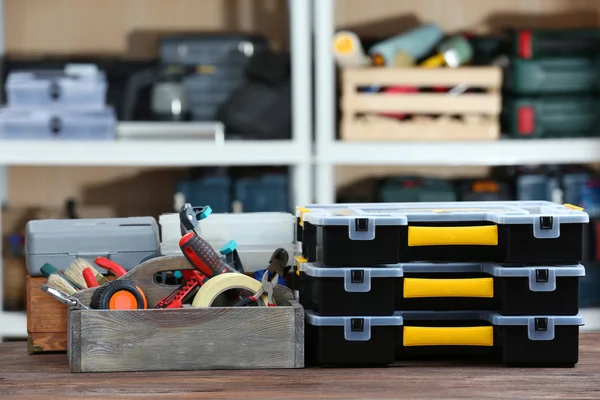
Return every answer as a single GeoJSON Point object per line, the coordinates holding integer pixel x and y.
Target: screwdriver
{"type": "Point", "coordinates": [202, 256]}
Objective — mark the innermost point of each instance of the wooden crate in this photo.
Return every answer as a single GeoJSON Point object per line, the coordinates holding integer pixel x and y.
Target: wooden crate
{"type": "Point", "coordinates": [46, 319]}
{"type": "Point", "coordinates": [467, 116]}
{"type": "Point", "coordinates": [187, 338]}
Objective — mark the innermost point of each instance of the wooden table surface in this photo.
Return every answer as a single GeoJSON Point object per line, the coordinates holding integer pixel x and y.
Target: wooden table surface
{"type": "Point", "coordinates": [47, 377]}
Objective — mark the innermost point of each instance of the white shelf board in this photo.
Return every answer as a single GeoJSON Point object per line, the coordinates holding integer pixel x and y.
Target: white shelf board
{"type": "Point", "coordinates": [157, 153]}
{"type": "Point", "coordinates": [501, 152]}
{"type": "Point", "coordinates": [13, 325]}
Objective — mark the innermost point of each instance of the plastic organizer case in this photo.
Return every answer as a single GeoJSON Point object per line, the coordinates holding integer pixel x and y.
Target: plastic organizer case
{"type": "Point", "coordinates": [380, 291]}
{"type": "Point", "coordinates": [51, 88]}
{"type": "Point", "coordinates": [255, 250]}
{"type": "Point", "coordinates": [49, 124]}
{"type": "Point", "coordinates": [549, 341]}
{"type": "Point", "coordinates": [531, 232]}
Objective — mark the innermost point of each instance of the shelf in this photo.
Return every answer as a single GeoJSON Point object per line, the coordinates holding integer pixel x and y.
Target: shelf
{"type": "Point", "coordinates": [13, 325]}
{"type": "Point", "coordinates": [502, 152]}
{"type": "Point", "coordinates": [156, 153]}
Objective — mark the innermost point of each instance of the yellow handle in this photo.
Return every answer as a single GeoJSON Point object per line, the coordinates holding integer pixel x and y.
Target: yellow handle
{"type": "Point", "coordinates": [453, 235]}
{"type": "Point", "coordinates": [454, 336]}
{"type": "Point", "coordinates": [472, 287]}
{"type": "Point", "coordinates": [434, 61]}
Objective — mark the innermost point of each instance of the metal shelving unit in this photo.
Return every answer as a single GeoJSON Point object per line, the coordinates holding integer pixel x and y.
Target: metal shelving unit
{"type": "Point", "coordinates": [330, 152]}
{"type": "Point", "coordinates": [295, 153]}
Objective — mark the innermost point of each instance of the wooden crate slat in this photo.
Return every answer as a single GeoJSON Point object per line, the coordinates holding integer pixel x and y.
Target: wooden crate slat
{"type": "Point", "coordinates": [386, 129]}
{"type": "Point", "coordinates": [483, 77]}
{"type": "Point", "coordinates": [443, 103]}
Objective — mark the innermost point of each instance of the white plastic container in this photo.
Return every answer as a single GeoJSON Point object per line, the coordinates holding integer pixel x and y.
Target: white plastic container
{"type": "Point", "coordinates": [48, 124]}
{"type": "Point", "coordinates": [257, 235]}
{"type": "Point", "coordinates": [76, 87]}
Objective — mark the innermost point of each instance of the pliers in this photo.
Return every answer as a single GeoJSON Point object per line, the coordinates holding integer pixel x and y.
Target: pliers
{"type": "Point", "coordinates": [267, 286]}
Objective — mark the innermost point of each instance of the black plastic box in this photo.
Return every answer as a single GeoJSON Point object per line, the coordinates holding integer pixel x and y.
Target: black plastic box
{"type": "Point", "coordinates": [529, 232]}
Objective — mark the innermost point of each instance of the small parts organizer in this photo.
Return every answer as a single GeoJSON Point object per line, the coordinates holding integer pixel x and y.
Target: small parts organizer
{"type": "Point", "coordinates": [388, 282]}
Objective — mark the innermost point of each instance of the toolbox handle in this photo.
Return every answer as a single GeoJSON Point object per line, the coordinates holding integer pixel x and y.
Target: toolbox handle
{"type": "Point", "coordinates": [486, 235]}
{"type": "Point", "coordinates": [469, 287]}
{"type": "Point", "coordinates": [415, 336]}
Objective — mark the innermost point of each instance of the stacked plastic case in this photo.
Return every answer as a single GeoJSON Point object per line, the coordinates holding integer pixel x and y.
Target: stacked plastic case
{"type": "Point", "coordinates": [65, 104]}
{"type": "Point", "coordinates": [387, 282]}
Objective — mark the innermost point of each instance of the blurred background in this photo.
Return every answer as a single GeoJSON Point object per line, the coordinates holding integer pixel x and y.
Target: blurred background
{"type": "Point", "coordinates": [120, 108]}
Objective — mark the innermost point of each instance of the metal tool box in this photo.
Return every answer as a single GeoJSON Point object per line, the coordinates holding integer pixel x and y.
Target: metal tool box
{"type": "Point", "coordinates": [126, 241]}
{"type": "Point", "coordinates": [57, 88]}
{"type": "Point", "coordinates": [549, 341]}
{"type": "Point", "coordinates": [531, 232]}
{"type": "Point", "coordinates": [380, 291]}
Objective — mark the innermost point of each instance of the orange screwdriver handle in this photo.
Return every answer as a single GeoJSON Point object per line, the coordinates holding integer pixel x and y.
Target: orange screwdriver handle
{"type": "Point", "coordinates": [201, 255]}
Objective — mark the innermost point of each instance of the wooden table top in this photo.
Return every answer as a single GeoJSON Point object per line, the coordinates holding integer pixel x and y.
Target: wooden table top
{"type": "Point", "coordinates": [47, 376]}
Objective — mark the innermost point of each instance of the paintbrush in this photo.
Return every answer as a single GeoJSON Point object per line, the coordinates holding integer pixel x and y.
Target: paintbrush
{"type": "Point", "coordinates": [80, 264]}
{"type": "Point", "coordinates": [59, 283]}
{"type": "Point", "coordinates": [74, 272]}
{"type": "Point", "coordinates": [49, 269]}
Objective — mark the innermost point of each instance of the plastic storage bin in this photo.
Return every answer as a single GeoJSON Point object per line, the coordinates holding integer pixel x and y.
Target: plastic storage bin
{"type": "Point", "coordinates": [46, 124]}
{"type": "Point", "coordinates": [351, 341]}
{"type": "Point", "coordinates": [547, 341]}
{"type": "Point", "coordinates": [266, 193]}
{"type": "Point", "coordinates": [502, 232]}
{"type": "Point", "coordinates": [213, 190]}
{"type": "Point", "coordinates": [552, 117]}
{"type": "Point", "coordinates": [537, 187]}
{"type": "Point", "coordinates": [415, 189]}
{"type": "Point", "coordinates": [56, 88]}
{"type": "Point", "coordinates": [349, 291]}
{"type": "Point", "coordinates": [553, 75]}
{"type": "Point", "coordinates": [384, 290]}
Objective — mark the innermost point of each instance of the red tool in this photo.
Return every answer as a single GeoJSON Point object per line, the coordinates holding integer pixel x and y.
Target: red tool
{"type": "Point", "coordinates": [183, 292]}
{"type": "Point", "coordinates": [111, 266]}
{"type": "Point", "coordinates": [201, 255]}
{"type": "Point", "coordinates": [90, 278]}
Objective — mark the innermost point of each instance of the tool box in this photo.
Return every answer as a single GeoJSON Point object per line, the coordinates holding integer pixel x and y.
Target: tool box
{"type": "Point", "coordinates": [416, 189]}
{"type": "Point", "coordinates": [380, 291]}
{"type": "Point", "coordinates": [552, 116]}
{"type": "Point", "coordinates": [484, 190]}
{"type": "Point", "coordinates": [63, 124]}
{"type": "Point", "coordinates": [268, 192]}
{"type": "Point", "coordinates": [126, 241]}
{"type": "Point", "coordinates": [47, 323]}
{"type": "Point", "coordinates": [537, 187]}
{"type": "Point", "coordinates": [549, 341]}
{"type": "Point", "coordinates": [184, 338]}
{"type": "Point", "coordinates": [502, 232]}
{"type": "Point", "coordinates": [553, 75]}
{"type": "Point", "coordinates": [73, 88]}
{"type": "Point", "coordinates": [540, 43]}
{"type": "Point", "coordinates": [207, 190]}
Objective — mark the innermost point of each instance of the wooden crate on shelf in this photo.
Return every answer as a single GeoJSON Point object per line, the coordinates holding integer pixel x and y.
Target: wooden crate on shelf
{"type": "Point", "coordinates": [429, 115]}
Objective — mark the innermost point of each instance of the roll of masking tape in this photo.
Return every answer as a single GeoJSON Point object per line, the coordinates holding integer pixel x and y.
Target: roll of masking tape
{"type": "Point", "coordinates": [219, 284]}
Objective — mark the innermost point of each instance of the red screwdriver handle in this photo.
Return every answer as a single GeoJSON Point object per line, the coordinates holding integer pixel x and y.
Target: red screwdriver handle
{"type": "Point", "coordinates": [90, 278]}
{"type": "Point", "coordinates": [201, 255]}
{"type": "Point", "coordinates": [110, 265]}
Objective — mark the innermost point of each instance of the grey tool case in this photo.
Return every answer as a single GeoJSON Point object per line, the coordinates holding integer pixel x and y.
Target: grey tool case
{"type": "Point", "coordinates": [126, 241]}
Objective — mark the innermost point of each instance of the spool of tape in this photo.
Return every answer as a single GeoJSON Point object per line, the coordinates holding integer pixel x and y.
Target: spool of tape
{"type": "Point", "coordinates": [221, 283]}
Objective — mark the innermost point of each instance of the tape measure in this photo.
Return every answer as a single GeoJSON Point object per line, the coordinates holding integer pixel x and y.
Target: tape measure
{"type": "Point", "coordinates": [219, 284]}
